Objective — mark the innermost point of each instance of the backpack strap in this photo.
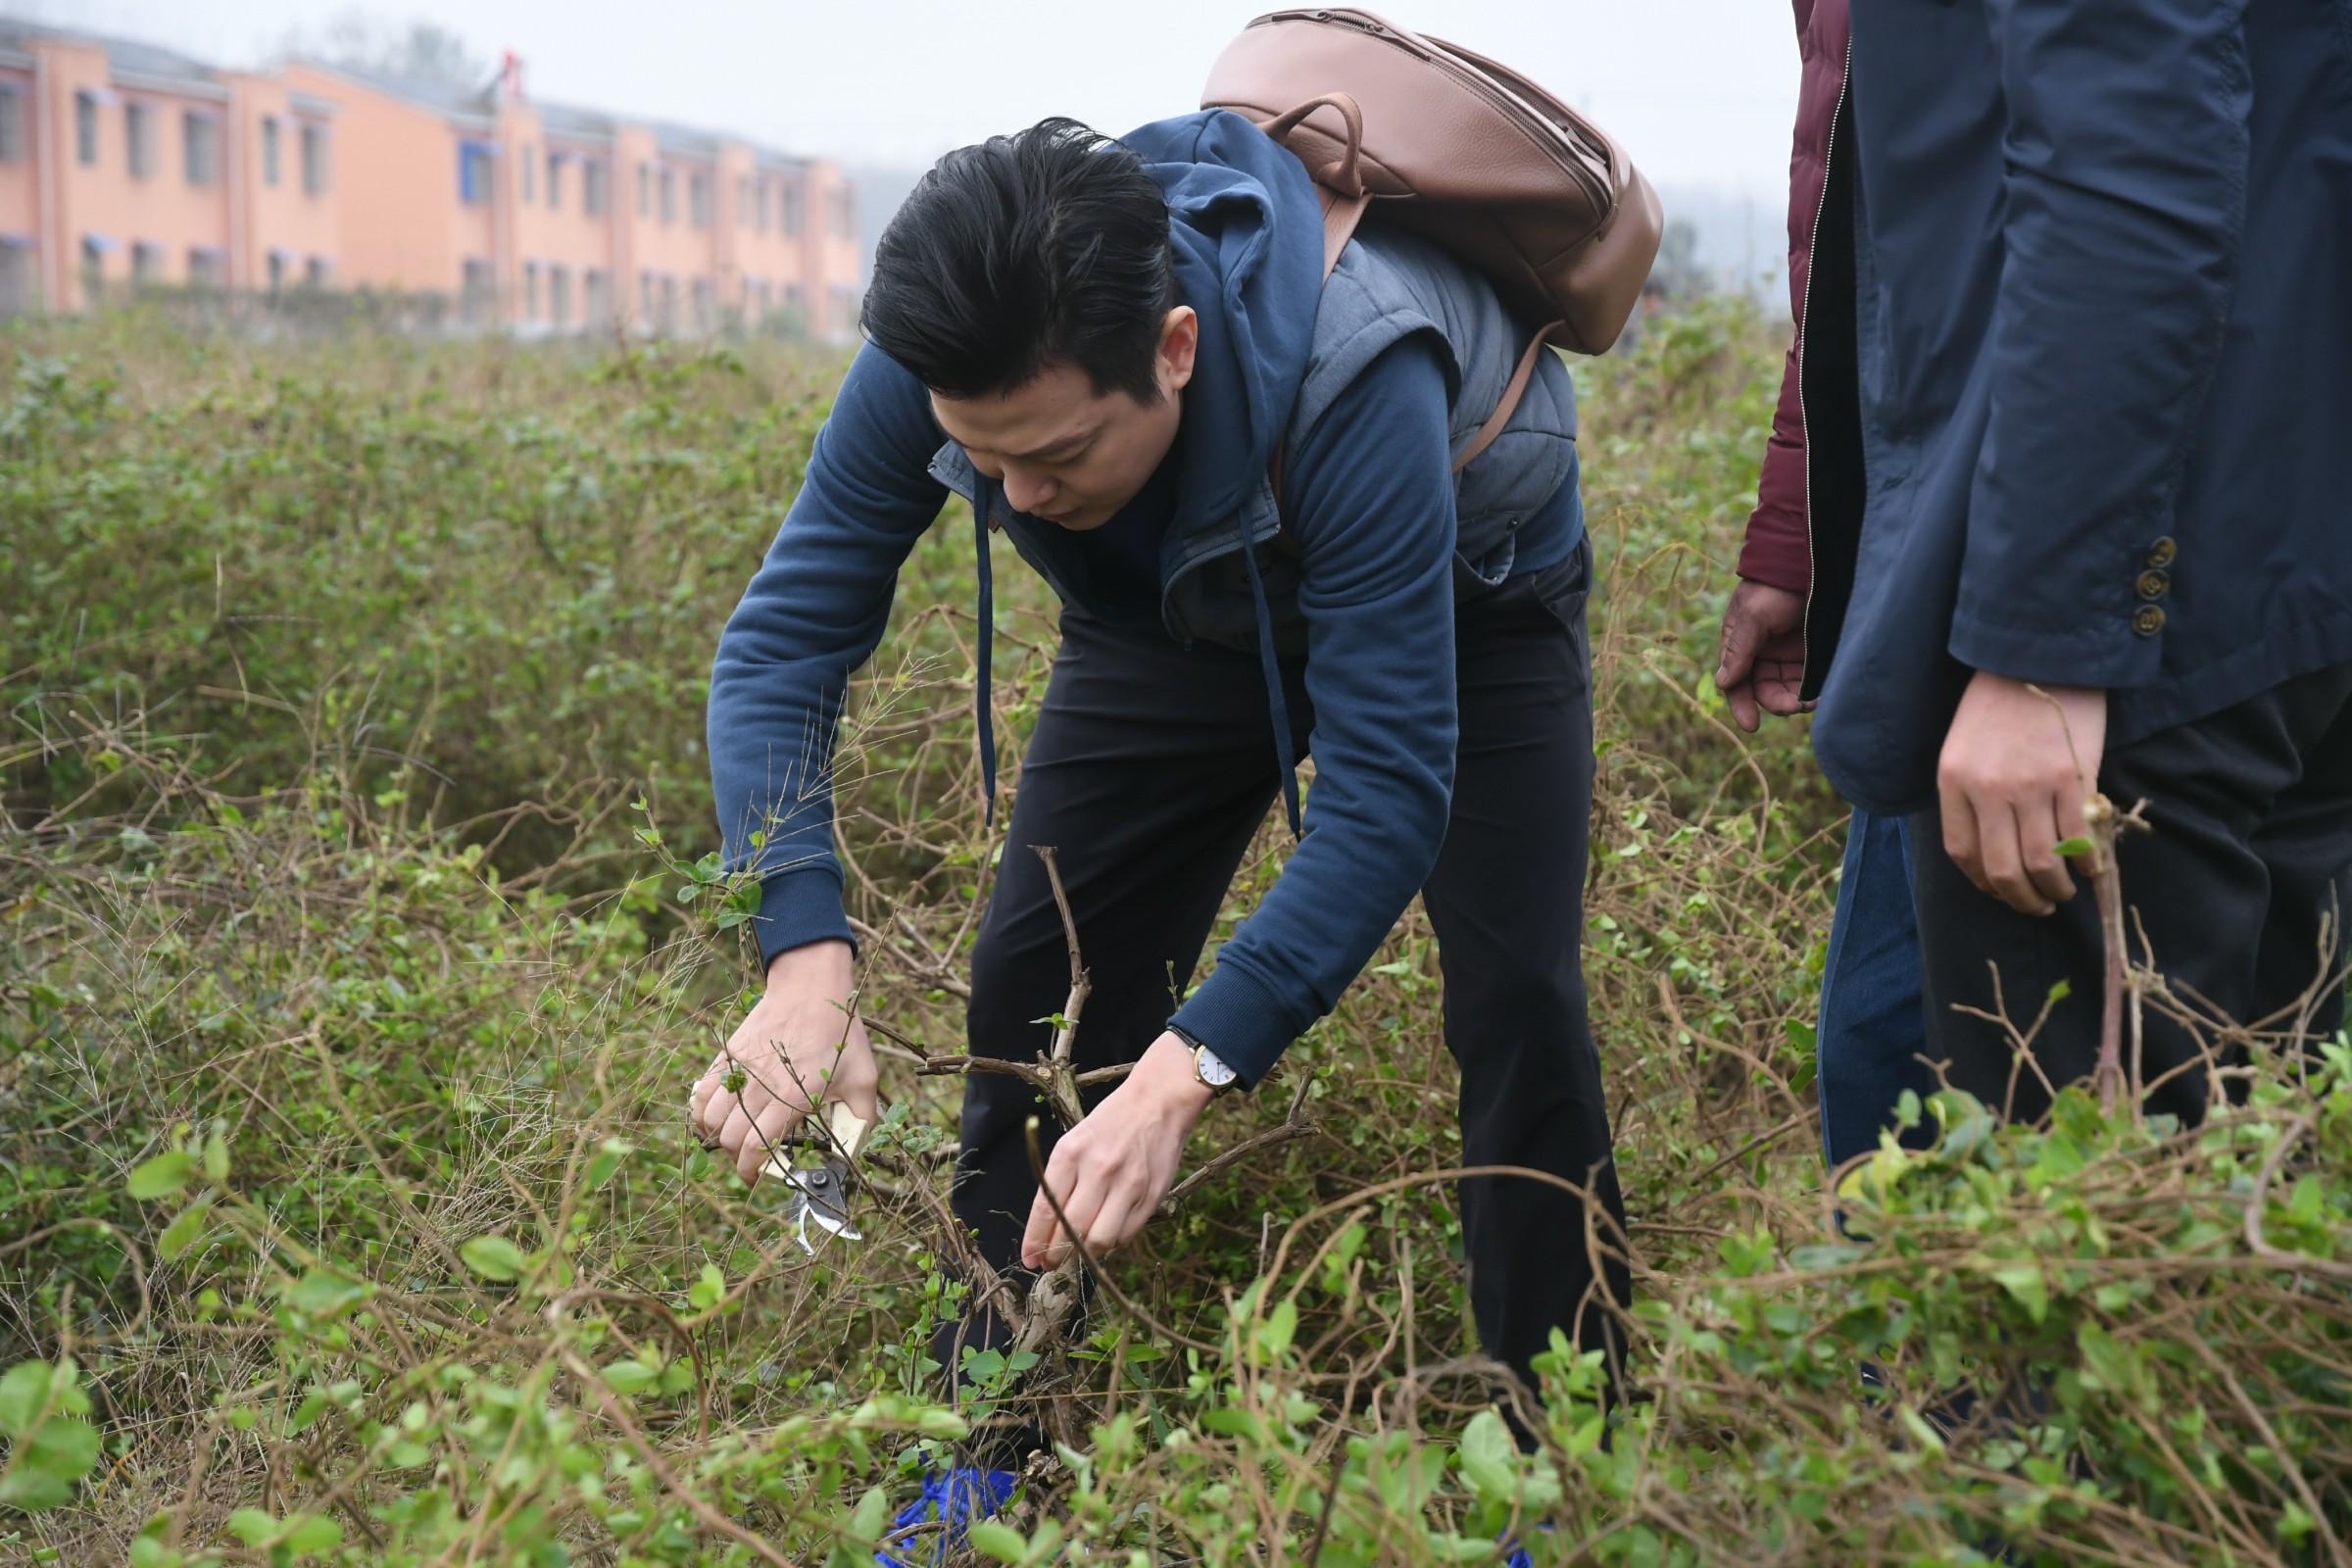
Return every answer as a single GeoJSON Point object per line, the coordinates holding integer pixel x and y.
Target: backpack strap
{"type": "Point", "coordinates": [1512, 394]}
{"type": "Point", "coordinates": [1346, 199]}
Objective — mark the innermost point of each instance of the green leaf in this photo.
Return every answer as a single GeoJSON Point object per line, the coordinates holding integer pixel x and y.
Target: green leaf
{"type": "Point", "coordinates": [311, 1532]}
{"type": "Point", "coordinates": [148, 1552]}
{"type": "Point", "coordinates": [609, 1156]}
{"type": "Point", "coordinates": [163, 1175]}
{"type": "Point", "coordinates": [182, 1232]}
{"type": "Point", "coordinates": [252, 1525]}
{"type": "Point", "coordinates": [2070, 848]}
{"type": "Point", "coordinates": [23, 1394]}
{"type": "Point", "coordinates": [629, 1377]}
{"type": "Point", "coordinates": [707, 1290]}
{"type": "Point", "coordinates": [2025, 1281]}
{"type": "Point", "coordinates": [1274, 1334]}
{"type": "Point", "coordinates": [1000, 1540]}
{"type": "Point", "coordinates": [216, 1158]}
{"type": "Point", "coordinates": [323, 1293]}
{"type": "Point", "coordinates": [493, 1257]}
{"type": "Point", "coordinates": [1485, 1451]}
{"type": "Point", "coordinates": [45, 1466]}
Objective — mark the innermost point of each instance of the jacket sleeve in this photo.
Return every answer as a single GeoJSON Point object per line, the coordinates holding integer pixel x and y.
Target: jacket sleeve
{"type": "Point", "coordinates": [813, 612]}
{"type": "Point", "coordinates": [1374, 490]}
{"type": "Point", "coordinates": [1778, 548]}
{"type": "Point", "coordinates": [2126, 149]}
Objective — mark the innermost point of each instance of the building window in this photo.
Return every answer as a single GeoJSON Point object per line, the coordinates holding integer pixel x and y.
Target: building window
{"type": "Point", "coordinates": [278, 272]}
{"type": "Point", "coordinates": [645, 190]}
{"type": "Point", "coordinates": [313, 159]}
{"type": "Point", "coordinates": [698, 199]}
{"type": "Point", "coordinates": [204, 266]}
{"type": "Point", "coordinates": [743, 201]}
{"type": "Point", "coordinates": [669, 304]}
{"type": "Point", "coordinates": [85, 129]}
{"type": "Point", "coordinates": [792, 197]}
{"type": "Point", "coordinates": [530, 291]}
{"type": "Point", "coordinates": [593, 175]}
{"type": "Point", "coordinates": [138, 139]}
{"type": "Point", "coordinates": [759, 205]}
{"type": "Point", "coordinates": [555, 182]}
{"type": "Point", "coordinates": [837, 207]}
{"type": "Point", "coordinates": [11, 128]}
{"type": "Point", "coordinates": [473, 174]}
{"type": "Point", "coordinates": [202, 136]}
{"type": "Point", "coordinates": [477, 293]}
{"type": "Point", "coordinates": [702, 305]}
{"type": "Point", "coordinates": [558, 296]}
{"type": "Point", "coordinates": [16, 278]}
{"type": "Point", "coordinates": [268, 149]}
{"type": "Point", "coordinates": [314, 272]}
{"type": "Point", "coordinates": [530, 162]}
{"type": "Point", "coordinates": [93, 268]}
{"type": "Point", "coordinates": [596, 307]}
{"type": "Point", "coordinates": [670, 197]}
{"type": "Point", "coordinates": [146, 264]}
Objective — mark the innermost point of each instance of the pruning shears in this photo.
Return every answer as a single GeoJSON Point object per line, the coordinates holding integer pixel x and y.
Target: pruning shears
{"type": "Point", "coordinates": [820, 1188]}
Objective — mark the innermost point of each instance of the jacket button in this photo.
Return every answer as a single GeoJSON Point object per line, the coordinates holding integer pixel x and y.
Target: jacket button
{"type": "Point", "coordinates": [2147, 621]}
{"type": "Point", "coordinates": [2162, 552]}
{"type": "Point", "coordinates": [2155, 582]}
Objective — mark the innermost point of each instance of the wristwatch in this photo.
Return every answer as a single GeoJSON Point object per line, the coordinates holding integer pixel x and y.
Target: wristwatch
{"type": "Point", "coordinates": [1210, 1070]}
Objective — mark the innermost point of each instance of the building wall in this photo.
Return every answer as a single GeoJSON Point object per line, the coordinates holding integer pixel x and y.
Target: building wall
{"type": "Point", "coordinates": [394, 185]}
{"type": "Point", "coordinates": [69, 70]}
{"type": "Point", "coordinates": [829, 257]}
{"type": "Point", "coordinates": [393, 213]}
{"type": "Point", "coordinates": [677, 252]}
{"type": "Point", "coordinates": [553, 233]}
{"type": "Point", "coordinates": [284, 216]}
{"type": "Point", "coordinates": [19, 185]}
{"type": "Point", "coordinates": [163, 208]}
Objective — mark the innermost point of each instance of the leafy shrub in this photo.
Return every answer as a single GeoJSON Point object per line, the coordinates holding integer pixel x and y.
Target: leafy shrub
{"type": "Point", "coordinates": [359, 938]}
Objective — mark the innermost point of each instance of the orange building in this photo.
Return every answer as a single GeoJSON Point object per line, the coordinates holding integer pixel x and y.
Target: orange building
{"type": "Point", "coordinates": [123, 165]}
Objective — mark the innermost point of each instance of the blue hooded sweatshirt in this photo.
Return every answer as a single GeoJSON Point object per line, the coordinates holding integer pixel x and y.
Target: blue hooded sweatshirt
{"type": "Point", "coordinates": [1369, 497]}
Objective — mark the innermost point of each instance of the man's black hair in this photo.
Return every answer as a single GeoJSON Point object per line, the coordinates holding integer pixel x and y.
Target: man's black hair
{"type": "Point", "coordinates": [1045, 247]}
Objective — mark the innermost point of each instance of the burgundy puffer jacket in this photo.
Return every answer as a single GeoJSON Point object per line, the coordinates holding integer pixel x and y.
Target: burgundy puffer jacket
{"type": "Point", "coordinates": [1778, 549]}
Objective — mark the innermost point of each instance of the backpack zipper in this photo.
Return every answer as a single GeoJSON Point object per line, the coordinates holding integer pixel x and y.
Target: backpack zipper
{"type": "Point", "coordinates": [1595, 186]}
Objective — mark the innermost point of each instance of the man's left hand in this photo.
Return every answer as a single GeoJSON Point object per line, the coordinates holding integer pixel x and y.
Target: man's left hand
{"type": "Point", "coordinates": [2013, 788]}
{"type": "Point", "coordinates": [1111, 1171]}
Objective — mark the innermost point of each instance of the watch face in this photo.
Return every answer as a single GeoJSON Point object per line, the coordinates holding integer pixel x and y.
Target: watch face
{"type": "Point", "coordinates": [1212, 1069]}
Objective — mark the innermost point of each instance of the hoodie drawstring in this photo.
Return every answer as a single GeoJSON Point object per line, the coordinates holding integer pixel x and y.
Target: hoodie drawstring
{"type": "Point", "coordinates": [1273, 674]}
{"type": "Point", "coordinates": [984, 711]}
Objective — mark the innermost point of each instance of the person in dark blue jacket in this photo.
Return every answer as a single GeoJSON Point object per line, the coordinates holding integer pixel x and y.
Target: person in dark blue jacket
{"type": "Point", "coordinates": [2101, 288]}
{"type": "Point", "coordinates": [1101, 346]}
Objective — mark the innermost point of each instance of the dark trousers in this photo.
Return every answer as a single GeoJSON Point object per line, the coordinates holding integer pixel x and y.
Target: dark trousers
{"type": "Point", "coordinates": [2248, 865]}
{"type": "Point", "coordinates": [1150, 769]}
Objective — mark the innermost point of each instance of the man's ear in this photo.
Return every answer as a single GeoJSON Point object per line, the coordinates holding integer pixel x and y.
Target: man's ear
{"type": "Point", "coordinates": [1179, 343]}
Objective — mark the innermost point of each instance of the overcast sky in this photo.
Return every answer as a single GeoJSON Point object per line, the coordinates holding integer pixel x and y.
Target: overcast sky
{"type": "Point", "coordinates": [1699, 91]}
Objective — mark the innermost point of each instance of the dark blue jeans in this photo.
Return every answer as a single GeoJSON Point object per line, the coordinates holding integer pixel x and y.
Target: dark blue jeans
{"type": "Point", "coordinates": [1873, 1031]}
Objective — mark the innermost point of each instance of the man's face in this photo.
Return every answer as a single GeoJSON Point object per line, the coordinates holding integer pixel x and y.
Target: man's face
{"type": "Point", "coordinates": [1065, 452]}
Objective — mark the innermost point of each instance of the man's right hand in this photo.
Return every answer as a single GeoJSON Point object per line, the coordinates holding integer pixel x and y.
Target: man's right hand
{"type": "Point", "coordinates": [1762, 661]}
{"type": "Point", "coordinates": [800, 1047]}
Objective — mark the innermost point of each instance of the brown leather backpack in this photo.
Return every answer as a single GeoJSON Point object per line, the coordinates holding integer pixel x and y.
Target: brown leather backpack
{"type": "Point", "coordinates": [1463, 150]}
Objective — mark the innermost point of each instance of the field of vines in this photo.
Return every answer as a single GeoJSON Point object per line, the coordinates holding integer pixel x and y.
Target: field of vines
{"type": "Point", "coordinates": [361, 933]}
